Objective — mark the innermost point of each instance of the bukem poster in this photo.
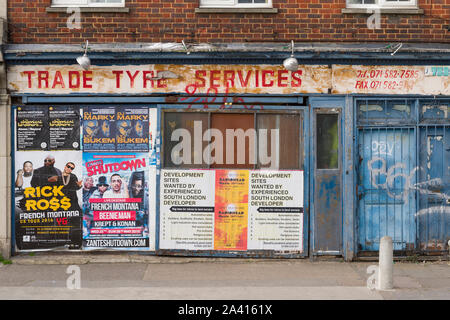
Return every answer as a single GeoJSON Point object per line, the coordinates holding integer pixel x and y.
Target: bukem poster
{"type": "Point", "coordinates": [231, 205]}
{"type": "Point", "coordinates": [187, 210]}
{"type": "Point", "coordinates": [116, 207]}
{"type": "Point", "coordinates": [99, 129]}
{"type": "Point", "coordinates": [48, 199]}
{"type": "Point", "coordinates": [132, 129]}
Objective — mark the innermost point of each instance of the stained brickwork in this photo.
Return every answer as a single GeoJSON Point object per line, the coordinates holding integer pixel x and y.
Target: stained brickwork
{"type": "Point", "coordinates": [174, 20]}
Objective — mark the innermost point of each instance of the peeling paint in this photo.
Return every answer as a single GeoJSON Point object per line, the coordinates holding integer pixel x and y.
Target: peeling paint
{"type": "Point", "coordinates": [402, 108]}
{"type": "Point", "coordinates": [370, 107]}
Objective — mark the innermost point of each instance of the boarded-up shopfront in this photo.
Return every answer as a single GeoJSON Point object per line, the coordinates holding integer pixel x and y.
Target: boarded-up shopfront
{"type": "Point", "coordinates": [229, 159]}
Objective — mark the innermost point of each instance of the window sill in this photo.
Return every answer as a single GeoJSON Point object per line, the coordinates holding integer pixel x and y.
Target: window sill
{"type": "Point", "coordinates": [236, 10]}
{"type": "Point", "coordinates": [383, 10]}
{"type": "Point", "coordinates": [89, 9]}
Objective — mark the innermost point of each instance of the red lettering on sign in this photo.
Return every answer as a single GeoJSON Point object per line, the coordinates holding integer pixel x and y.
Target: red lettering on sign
{"type": "Point", "coordinates": [42, 76]}
{"type": "Point", "coordinates": [296, 81]}
{"type": "Point", "coordinates": [145, 78]}
{"type": "Point", "coordinates": [244, 83]}
{"type": "Point", "coordinates": [29, 73]}
{"type": "Point", "coordinates": [214, 76]}
{"type": "Point", "coordinates": [281, 78]}
{"type": "Point", "coordinates": [118, 74]}
{"type": "Point", "coordinates": [87, 76]}
{"type": "Point", "coordinates": [58, 80]}
{"type": "Point", "coordinates": [77, 77]}
{"type": "Point", "coordinates": [132, 77]}
{"type": "Point", "coordinates": [199, 75]}
{"type": "Point", "coordinates": [228, 78]}
{"type": "Point", "coordinates": [264, 82]}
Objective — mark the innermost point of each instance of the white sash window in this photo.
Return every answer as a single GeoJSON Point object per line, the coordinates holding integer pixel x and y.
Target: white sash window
{"type": "Point", "coordinates": [88, 3]}
{"type": "Point", "coordinates": [235, 3]}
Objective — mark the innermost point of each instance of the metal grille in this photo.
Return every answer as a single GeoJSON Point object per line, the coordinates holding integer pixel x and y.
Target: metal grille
{"type": "Point", "coordinates": [404, 173]}
{"type": "Point", "coordinates": [386, 174]}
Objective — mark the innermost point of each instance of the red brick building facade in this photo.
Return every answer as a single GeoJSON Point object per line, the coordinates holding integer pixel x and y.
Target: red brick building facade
{"type": "Point", "coordinates": [174, 20]}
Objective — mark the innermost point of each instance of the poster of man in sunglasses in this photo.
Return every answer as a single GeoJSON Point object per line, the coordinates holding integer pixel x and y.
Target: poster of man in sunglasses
{"type": "Point", "coordinates": [47, 211]}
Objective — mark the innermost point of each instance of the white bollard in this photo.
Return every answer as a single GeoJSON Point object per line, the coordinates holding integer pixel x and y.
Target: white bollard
{"type": "Point", "coordinates": [386, 262]}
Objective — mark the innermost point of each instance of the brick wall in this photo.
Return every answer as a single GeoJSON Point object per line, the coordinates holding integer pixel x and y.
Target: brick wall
{"type": "Point", "coordinates": [174, 20]}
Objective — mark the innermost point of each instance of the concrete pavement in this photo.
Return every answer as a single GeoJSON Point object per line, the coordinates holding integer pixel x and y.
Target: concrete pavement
{"type": "Point", "coordinates": [132, 276]}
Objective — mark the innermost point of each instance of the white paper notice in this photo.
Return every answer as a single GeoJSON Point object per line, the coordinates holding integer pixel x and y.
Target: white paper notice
{"type": "Point", "coordinates": [187, 209]}
{"type": "Point", "coordinates": [275, 211]}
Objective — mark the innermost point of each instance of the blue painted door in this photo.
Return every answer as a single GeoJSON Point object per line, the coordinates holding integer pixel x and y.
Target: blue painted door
{"type": "Point", "coordinates": [433, 188]}
{"type": "Point", "coordinates": [326, 167]}
{"type": "Point", "coordinates": [387, 176]}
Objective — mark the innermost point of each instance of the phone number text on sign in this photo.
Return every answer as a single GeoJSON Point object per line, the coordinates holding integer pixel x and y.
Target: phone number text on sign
{"type": "Point", "coordinates": [386, 79]}
{"type": "Point", "coordinates": [389, 73]}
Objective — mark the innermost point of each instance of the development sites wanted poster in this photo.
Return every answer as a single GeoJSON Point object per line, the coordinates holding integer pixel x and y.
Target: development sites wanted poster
{"type": "Point", "coordinates": [275, 210]}
{"type": "Point", "coordinates": [48, 200]}
{"type": "Point", "coordinates": [187, 210]}
{"type": "Point", "coordinates": [231, 210]}
{"type": "Point", "coordinates": [116, 208]}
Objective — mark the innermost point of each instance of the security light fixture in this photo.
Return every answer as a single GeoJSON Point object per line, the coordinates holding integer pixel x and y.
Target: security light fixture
{"type": "Point", "coordinates": [394, 47]}
{"type": "Point", "coordinates": [291, 63]}
{"type": "Point", "coordinates": [185, 47]}
{"type": "Point", "coordinates": [84, 60]}
{"type": "Point", "coordinates": [397, 48]}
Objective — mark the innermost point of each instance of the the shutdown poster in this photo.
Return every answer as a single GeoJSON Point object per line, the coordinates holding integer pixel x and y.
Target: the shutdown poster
{"type": "Point", "coordinates": [116, 210]}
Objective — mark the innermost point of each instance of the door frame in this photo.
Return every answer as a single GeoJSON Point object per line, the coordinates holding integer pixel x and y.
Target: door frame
{"type": "Point", "coordinates": [347, 195]}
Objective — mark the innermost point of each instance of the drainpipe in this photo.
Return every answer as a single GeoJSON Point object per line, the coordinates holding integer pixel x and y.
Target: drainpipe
{"type": "Point", "coordinates": [5, 146]}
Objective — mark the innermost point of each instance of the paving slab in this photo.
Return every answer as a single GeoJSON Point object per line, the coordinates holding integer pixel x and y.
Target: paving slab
{"type": "Point", "coordinates": [183, 293]}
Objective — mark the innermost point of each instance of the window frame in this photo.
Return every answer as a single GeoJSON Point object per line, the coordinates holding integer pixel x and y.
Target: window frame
{"type": "Point", "coordinates": [257, 166]}
{"type": "Point", "coordinates": [232, 4]}
{"type": "Point", "coordinates": [383, 4]}
{"type": "Point", "coordinates": [86, 4]}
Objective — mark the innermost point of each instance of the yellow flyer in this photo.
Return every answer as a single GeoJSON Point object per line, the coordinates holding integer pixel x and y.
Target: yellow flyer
{"type": "Point", "coordinates": [231, 210]}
